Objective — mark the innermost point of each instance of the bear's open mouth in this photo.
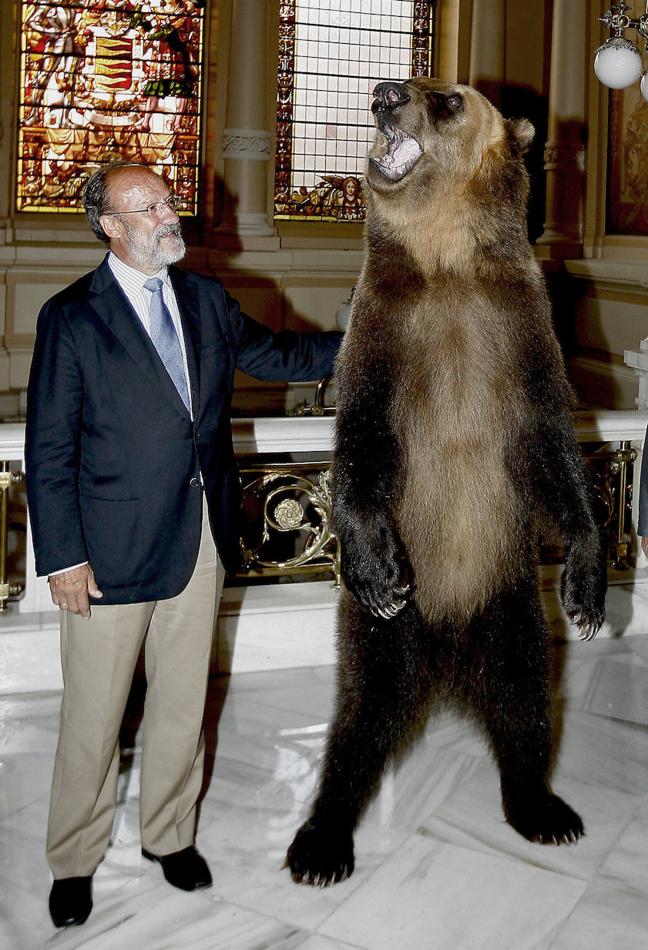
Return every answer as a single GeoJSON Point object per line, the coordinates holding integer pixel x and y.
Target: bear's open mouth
{"type": "Point", "coordinates": [402, 154]}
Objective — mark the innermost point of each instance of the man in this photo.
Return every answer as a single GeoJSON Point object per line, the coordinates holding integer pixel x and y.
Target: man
{"type": "Point", "coordinates": [131, 479]}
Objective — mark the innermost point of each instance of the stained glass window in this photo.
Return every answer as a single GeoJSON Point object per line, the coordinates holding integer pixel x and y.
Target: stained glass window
{"type": "Point", "coordinates": [331, 55]}
{"type": "Point", "coordinates": [102, 80]}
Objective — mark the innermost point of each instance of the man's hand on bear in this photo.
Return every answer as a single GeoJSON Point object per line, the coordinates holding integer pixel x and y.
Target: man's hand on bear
{"type": "Point", "coordinates": [584, 583]}
{"type": "Point", "coordinates": [374, 566]}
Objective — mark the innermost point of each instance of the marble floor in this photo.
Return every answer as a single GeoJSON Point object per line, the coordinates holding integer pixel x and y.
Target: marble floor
{"type": "Point", "coordinates": [436, 866]}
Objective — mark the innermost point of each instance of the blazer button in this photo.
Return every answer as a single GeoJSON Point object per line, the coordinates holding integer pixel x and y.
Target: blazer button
{"type": "Point", "coordinates": [194, 482]}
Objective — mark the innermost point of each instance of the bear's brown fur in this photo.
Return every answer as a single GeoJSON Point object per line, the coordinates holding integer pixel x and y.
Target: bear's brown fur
{"type": "Point", "coordinates": [453, 437]}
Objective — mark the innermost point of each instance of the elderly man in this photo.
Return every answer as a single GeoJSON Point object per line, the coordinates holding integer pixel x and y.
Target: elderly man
{"type": "Point", "coordinates": [134, 497]}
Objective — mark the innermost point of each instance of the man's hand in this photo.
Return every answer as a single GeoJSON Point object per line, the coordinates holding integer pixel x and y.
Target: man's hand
{"type": "Point", "coordinates": [70, 589]}
{"type": "Point", "coordinates": [644, 545]}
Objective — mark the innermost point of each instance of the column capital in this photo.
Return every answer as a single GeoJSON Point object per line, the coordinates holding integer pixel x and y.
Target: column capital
{"type": "Point", "coordinates": [562, 154]}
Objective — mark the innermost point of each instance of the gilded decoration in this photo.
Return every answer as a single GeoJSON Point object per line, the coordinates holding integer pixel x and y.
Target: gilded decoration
{"type": "Point", "coordinates": [287, 521]}
{"type": "Point", "coordinates": [102, 79]}
{"type": "Point", "coordinates": [627, 211]}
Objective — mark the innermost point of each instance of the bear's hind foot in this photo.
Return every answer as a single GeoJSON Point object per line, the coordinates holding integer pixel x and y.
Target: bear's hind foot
{"type": "Point", "coordinates": [320, 855]}
{"type": "Point", "coordinates": [549, 820]}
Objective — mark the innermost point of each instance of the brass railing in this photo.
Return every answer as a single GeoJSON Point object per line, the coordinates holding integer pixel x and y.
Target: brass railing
{"type": "Point", "coordinates": [287, 531]}
{"type": "Point", "coordinates": [294, 498]}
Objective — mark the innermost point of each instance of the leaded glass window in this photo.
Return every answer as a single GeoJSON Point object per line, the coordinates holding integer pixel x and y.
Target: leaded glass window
{"type": "Point", "coordinates": [102, 80]}
{"type": "Point", "coordinates": [331, 55]}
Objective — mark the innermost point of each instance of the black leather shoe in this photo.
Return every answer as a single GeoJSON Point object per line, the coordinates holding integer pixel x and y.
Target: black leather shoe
{"type": "Point", "coordinates": [70, 901]}
{"type": "Point", "coordinates": [185, 869]}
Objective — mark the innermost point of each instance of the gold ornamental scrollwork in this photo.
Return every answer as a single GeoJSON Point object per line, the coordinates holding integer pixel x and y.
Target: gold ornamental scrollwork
{"type": "Point", "coordinates": [289, 501]}
{"type": "Point", "coordinates": [288, 515]}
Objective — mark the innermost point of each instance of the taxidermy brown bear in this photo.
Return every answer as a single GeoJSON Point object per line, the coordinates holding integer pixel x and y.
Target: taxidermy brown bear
{"type": "Point", "coordinates": [454, 434]}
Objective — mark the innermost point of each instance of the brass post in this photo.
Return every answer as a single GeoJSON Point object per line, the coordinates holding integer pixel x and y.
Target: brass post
{"type": "Point", "coordinates": [5, 482]}
{"type": "Point", "coordinates": [7, 479]}
{"type": "Point", "coordinates": [625, 456]}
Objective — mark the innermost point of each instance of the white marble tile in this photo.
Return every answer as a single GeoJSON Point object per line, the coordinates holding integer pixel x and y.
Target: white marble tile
{"type": "Point", "coordinates": [619, 689]}
{"type": "Point", "coordinates": [626, 866]}
{"type": "Point", "coordinates": [323, 943]}
{"type": "Point", "coordinates": [436, 865]}
{"type": "Point", "coordinates": [574, 667]}
{"type": "Point", "coordinates": [148, 915]}
{"type": "Point", "coordinates": [639, 646]}
{"type": "Point", "coordinates": [430, 894]}
{"type": "Point", "coordinates": [606, 919]}
{"type": "Point", "coordinates": [472, 818]}
{"type": "Point", "coordinates": [605, 752]}
{"type": "Point", "coordinates": [24, 920]}
{"type": "Point", "coordinates": [410, 792]}
{"type": "Point", "coordinates": [251, 846]}
{"type": "Point", "coordinates": [23, 780]}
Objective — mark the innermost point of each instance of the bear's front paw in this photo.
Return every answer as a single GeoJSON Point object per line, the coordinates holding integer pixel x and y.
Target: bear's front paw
{"type": "Point", "coordinates": [584, 584]}
{"type": "Point", "coordinates": [374, 568]}
{"type": "Point", "coordinates": [547, 820]}
{"type": "Point", "coordinates": [320, 855]}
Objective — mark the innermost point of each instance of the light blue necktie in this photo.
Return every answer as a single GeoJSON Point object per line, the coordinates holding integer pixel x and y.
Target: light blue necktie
{"type": "Point", "coordinates": [165, 339]}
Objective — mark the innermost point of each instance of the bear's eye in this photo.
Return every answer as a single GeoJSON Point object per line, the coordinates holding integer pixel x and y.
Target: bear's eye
{"type": "Point", "coordinates": [454, 102]}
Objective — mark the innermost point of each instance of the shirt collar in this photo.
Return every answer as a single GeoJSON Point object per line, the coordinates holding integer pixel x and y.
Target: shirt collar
{"type": "Point", "coordinates": [127, 274]}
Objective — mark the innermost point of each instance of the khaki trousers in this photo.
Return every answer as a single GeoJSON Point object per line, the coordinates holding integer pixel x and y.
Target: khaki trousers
{"type": "Point", "coordinates": [98, 658]}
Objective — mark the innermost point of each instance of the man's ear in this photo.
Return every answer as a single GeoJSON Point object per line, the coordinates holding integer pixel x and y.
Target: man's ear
{"type": "Point", "coordinates": [521, 134]}
{"type": "Point", "coordinates": [111, 224]}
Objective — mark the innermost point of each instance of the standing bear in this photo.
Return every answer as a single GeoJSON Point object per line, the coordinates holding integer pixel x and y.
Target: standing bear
{"type": "Point", "coordinates": [454, 439]}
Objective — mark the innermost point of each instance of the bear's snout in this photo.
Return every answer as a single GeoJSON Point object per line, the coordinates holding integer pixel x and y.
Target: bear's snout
{"type": "Point", "coordinates": [388, 96]}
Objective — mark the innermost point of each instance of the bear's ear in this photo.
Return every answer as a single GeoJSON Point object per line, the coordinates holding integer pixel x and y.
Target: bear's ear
{"type": "Point", "coordinates": [521, 134]}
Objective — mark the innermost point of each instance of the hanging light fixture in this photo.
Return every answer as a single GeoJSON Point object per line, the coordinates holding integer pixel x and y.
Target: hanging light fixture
{"type": "Point", "coordinates": [618, 63]}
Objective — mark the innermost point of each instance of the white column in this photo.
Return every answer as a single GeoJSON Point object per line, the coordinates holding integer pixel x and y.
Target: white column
{"type": "Point", "coordinates": [638, 361]}
{"type": "Point", "coordinates": [488, 48]}
{"type": "Point", "coordinates": [565, 148]}
{"type": "Point", "coordinates": [247, 143]}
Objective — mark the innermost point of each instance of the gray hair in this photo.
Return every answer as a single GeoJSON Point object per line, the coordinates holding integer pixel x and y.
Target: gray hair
{"type": "Point", "coordinates": [95, 195]}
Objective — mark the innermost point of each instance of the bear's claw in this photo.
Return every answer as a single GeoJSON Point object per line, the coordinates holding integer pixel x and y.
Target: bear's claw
{"type": "Point", "coordinates": [395, 607]}
{"type": "Point", "coordinates": [548, 821]}
{"type": "Point", "coordinates": [320, 856]}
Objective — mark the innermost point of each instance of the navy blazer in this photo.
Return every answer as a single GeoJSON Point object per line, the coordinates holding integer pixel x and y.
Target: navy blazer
{"type": "Point", "coordinates": [113, 458]}
{"type": "Point", "coordinates": [642, 526]}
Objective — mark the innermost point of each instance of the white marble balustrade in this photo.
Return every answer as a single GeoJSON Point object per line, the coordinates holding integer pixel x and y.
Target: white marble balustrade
{"type": "Point", "coordinates": [281, 626]}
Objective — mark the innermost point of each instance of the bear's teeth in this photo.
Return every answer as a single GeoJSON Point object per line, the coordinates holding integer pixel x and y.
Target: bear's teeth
{"type": "Point", "coordinates": [401, 158]}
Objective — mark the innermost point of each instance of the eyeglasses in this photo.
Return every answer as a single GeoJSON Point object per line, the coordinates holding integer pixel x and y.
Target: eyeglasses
{"type": "Point", "coordinates": [173, 202]}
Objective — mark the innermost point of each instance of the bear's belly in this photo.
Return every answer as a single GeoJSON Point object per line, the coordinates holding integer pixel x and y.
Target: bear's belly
{"type": "Point", "coordinates": [458, 518]}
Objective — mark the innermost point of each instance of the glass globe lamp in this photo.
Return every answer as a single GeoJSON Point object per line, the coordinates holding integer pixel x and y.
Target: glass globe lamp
{"type": "Point", "coordinates": [618, 63]}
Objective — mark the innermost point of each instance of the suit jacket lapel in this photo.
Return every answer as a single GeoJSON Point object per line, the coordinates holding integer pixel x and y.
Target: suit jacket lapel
{"type": "Point", "coordinates": [112, 306]}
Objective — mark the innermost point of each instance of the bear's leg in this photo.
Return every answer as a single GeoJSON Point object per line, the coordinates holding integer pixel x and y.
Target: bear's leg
{"type": "Point", "coordinates": [381, 693]}
{"type": "Point", "coordinates": [508, 685]}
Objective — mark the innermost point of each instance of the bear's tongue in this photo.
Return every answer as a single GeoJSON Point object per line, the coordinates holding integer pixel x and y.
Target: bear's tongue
{"type": "Point", "coordinates": [402, 155]}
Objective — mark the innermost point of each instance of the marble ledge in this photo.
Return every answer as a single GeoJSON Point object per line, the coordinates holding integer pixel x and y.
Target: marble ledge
{"type": "Point", "coordinates": [36, 248]}
{"type": "Point", "coordinates": [615, 274]}
{"type": "Point", "coordinates": [314, 262]}
{"type": "Point", "coordinates": [299, 434]}
{"type": "Point", "coordinates": [42, 250]}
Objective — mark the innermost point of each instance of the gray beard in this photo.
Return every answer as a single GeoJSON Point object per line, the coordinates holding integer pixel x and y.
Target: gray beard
{"type": "Point", "coordinates": [152, 254]}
